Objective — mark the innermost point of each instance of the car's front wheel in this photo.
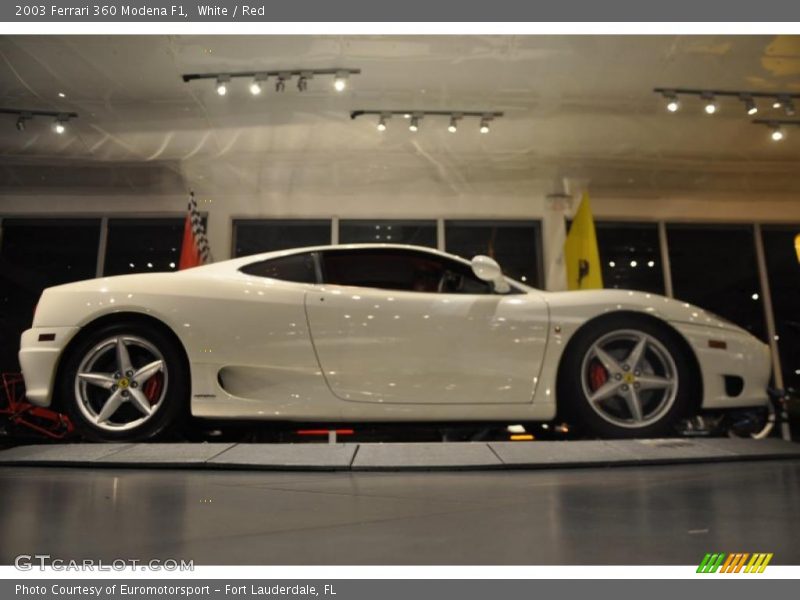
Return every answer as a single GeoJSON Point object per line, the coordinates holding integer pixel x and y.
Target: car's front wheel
{"type": "Point", "coordinates": [123, 382]}
{"type": "Point", "coordinates": [626, 377]}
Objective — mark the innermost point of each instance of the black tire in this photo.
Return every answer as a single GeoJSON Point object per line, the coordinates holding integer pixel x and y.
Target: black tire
{"type": "Point", "coordinates": [167, 412]}
{"type": "Point", "coordinates": [575, 381]}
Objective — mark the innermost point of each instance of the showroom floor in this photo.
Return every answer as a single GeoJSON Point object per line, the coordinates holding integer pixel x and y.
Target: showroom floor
{"type": "Point", "coordinates": [626, 515]}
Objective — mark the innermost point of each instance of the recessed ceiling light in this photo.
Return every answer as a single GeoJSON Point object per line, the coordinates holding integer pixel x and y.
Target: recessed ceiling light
{"type": "Point", "coordinates": [62, 95]}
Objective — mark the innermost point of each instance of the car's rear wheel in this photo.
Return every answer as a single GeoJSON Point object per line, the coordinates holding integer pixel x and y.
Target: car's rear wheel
{"type": "Point", "coordinates": [124, 382]}
{"type": "Point", "coordinates": [626, 377]}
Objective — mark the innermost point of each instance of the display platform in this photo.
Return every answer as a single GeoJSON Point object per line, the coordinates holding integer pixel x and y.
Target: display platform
{"type": "Point", "coordinates": [400, 456]}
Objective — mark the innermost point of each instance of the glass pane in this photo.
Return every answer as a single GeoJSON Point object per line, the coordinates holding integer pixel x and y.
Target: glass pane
{"type": "Point", "coordinates": [35, 254]}
{"type": "Point", "coordinates": [715, 268]}
{"type": "Point", "coordinates": [406, 270]}
{"type": "Point", "coordinates": [783, 268]}
{"type": "Point", "coordinates": [143, 245]}
{"type": "Point", "coordinates": [252, 236]}
{"type": "Point", "coordinates": [514, 244]}
{"type": "Point", "coordinates": [297, 267]}
{"type": "Point", "coordinates": [417, 233]}
{"type": "Point", "coordinates": [630, 256]}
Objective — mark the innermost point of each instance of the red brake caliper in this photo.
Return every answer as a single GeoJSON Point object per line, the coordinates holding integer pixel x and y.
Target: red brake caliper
{"type": "Point", "coordinates": [597, 375]}
{"type": "Point", "coordinates": [152, 387]}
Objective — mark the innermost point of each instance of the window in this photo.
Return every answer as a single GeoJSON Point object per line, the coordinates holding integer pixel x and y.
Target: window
{"type": "Point", "coordinates": [514, 244]}
{"type": "Point", "coordinates": [783, 269]}
{"type": "Point", "coordinates": [715, 267]}
{"type": "Point", "coordinates": [404, 270]}
{"type": "Point", "coordinates": [300, 268]}
{"type": "Point", "coordinates": [36, 254]}
{"type": "Point", "coordinates": [630, 256]}
{"type": "Point", "coordinates": [143, 245]}
{"type": "Point", "coordinates": [418, 233]}
{"type": "Point", "coordinates": [252, 236]}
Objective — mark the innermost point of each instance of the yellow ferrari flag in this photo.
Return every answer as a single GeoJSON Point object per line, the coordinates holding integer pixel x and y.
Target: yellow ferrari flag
{"type": "Point", "coordinates": [580, 251]}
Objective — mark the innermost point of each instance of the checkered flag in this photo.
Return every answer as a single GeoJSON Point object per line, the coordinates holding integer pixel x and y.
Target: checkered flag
{"type": "Point", "coordinates": [195, 249]}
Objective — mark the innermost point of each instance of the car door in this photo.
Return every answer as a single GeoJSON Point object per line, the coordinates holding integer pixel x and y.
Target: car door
{"type": "Point", "coordinates": [390, 326]}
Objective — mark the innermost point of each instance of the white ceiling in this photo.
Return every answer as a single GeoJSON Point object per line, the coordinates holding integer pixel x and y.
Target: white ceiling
{"type": "Point", "coordinates": [578, 106]}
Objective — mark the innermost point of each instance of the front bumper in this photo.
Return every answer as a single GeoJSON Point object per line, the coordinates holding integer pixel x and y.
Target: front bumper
{"type": "Point", "coordinates": [744, 357]}
{"type": "Point", "coordinates": [39, 360]}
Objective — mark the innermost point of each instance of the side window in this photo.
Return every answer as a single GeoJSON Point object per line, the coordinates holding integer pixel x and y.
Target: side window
{"type": "Point", "coordinates": [402, 270]}
{"type": "Point", "coordinates": [299, 268]}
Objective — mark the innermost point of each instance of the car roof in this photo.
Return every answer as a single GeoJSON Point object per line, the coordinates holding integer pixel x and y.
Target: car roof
{"type": "Point", "coordinates": [253, 258]}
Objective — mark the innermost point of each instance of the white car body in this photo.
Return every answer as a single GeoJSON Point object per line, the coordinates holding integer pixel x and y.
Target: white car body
{"type": "Point", "coordinates": [297, 351]}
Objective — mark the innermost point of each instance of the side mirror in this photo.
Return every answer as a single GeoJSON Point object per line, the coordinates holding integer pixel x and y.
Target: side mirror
{"type": "Point", "coordinates": [487, 269]}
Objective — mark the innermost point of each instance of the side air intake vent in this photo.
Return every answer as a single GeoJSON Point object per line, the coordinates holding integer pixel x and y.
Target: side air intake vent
{"type": "Point", "coordinates": [733, 385]}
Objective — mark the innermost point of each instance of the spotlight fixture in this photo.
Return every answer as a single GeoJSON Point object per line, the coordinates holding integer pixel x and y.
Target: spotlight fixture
{"type": "Point", "coordinates": [222, 84]}
{"type": "Point", "coordinates": [749, 104]}
{"type": "Point", "coordinates": [788, 107]}
{"type": "Point", "coordinates": [776, 104]}
{"type": "Point", "coordinates": [453, 127]}
{"type": "Point", "coordinates": [302, 81]}
{"type": "Point", "coordinates": [340, 81]}
{"type": "Point", "coordinates": [21, 120]}
{"type": "Point", "coordinates": [340, 75]}
{"type": "Point", "coordinates": [415, 116]}
{"type": "Point", "coordinates": [60, 119]}
{"type": "Point", "coordinates": [777, 127]}
{"type": "Point", "coordinates": [673, 104]}
{"type": "Point", "coordinates": [711, 104]}
{"type": "Point", "coordinates": [257, 84]}
{"type": "Point", "coordinates": [382, 122]}
{"type": "Point", "coordinates": [280, 84]}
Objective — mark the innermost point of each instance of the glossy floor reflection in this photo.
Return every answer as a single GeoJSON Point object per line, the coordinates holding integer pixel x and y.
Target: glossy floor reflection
{"type": "Point", "coordinates": [631, 515]}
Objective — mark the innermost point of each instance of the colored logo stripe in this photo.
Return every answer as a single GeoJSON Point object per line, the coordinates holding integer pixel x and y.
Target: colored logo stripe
{"type": "Point", "coordinates": [734, 563]}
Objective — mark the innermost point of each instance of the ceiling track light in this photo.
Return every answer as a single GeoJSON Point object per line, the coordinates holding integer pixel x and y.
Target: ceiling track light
{"type": "Point", "coordinates": [222, 85]}
{"type": "Point", "coordinates": [711, 106]}
{"type": "Point", "coordinates": [415, 116]}
{"type": "Point", "coordinates": [302, 81]}
{"type": "Point", "coordinates": [60, 119]}
{"type": "Point", "coordinates": [777, 127]}
{"type": "Point", "coordinates": [749, 104]}
{"type": "Point", "coordinates": [340, 78]}
{"type": "Point", "coordinates": [779, 100]}
{"type": "Point", "coordinates": [382, 122]}
{"type": "Point", "coordinates": [258, 84]}
{"type": "Point", "coordinates": [673, 104]}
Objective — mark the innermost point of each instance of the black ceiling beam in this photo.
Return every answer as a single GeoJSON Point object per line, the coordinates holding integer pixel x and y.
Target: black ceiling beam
{"type": "Point", "coordinates": [730, 93]}
{"type": "Point", "coordinates": [422, 113]}
{"type": "Point", "coordinates": [38, 113]}
{"type": "Point", "coordinates": [269, 73]}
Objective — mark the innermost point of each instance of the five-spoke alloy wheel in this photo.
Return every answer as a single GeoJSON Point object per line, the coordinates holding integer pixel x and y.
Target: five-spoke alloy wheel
{"type": "Point", "coordinates": [625, 377]}
{"type": "Point", "coordinates": [123, 383]}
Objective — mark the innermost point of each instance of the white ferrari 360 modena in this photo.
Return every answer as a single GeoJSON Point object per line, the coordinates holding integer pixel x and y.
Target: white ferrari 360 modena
{"type": "Point", "coordinates": [377, 332]}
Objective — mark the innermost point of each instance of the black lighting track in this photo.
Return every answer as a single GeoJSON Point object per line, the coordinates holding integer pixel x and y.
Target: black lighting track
{"type": "Point", "coordinates": [424, 113]}
{"type": "Point", "coordinates": [270, 73]}
{"type": "Point", "coordinates": [39, 113]}
{"type": "Point", "coordinates": [775, 122]}
{"type": "Point", "coordinates": [730, 93]}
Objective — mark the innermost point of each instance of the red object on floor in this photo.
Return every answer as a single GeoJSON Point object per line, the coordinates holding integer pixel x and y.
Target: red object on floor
{"type": "Point", "coordinates": [22, 413]}
{"type": "Point", "coordinates": [324, 431]}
